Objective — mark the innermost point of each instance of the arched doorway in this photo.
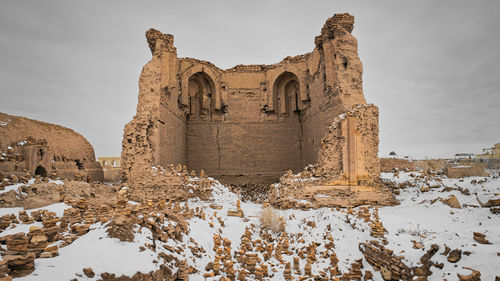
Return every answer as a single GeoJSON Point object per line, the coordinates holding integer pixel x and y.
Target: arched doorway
{"type": "Point", "coordinates": [286, 94]}
{"type": "Point", "coordinates": [40, 171]}
{"type": "Point", "coordinates": [201, 95]}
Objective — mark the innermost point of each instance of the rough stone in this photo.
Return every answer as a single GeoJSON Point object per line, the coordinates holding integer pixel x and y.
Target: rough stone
{"type": "Point", "coordinates": [481, 238]}
{"type": "Point", "coordinates": [474, 276]}
{"type": "Point", "coordinates": [386, 273]}
{"type": "Point", "coordinates": [453, 202]}
{"type": "Point", "coordinates": [88, 272]}
{"type": "Point", "coordinates": [455, 256]}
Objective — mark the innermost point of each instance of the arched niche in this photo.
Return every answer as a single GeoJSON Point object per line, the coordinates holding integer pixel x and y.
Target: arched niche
{"type": "Point", "coordinates": [209, 74]}
{"type": "Point", "coordinates": [286, 94]}
{"type": "Point", "coordinates": [201, 96]}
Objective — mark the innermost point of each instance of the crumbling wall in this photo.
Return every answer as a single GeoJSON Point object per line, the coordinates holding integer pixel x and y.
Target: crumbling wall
{"type": "Point", "coordinates": [336, 81]}
{"type": "Point", "coordinates": [347, 171]}
{"type": "Point", "coordinates": [353, 138]}
{"type": "Point", "coordinates": [255, 120]}
{"type": "Point", "coordinates": [30, 147]}
{"type": "Point", "coordinates": [142, 147]}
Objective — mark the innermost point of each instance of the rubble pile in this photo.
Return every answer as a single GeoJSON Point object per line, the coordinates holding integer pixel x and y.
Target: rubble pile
{"type": "Point", "coordinates": [377, 229]}
{"type": "Point", "coordinates": [294, 190]}
{"type": "Point", "coordinates": [173, 183]}
{"type": "Point", "coordinates": [19, 260]}
{"type": "Point", "coordinates": [385, 261]}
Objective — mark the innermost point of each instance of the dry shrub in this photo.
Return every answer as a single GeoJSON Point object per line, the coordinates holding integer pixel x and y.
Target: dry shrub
{"type": "Point", "coordinates": [271, 220]}
{"type": "Point", "coordinates": [420, 234]}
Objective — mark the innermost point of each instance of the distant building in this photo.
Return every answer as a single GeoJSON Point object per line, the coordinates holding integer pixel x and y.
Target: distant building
{"type": "Point", "coordinates": [109, 161]}
{"type": "Point", "coordinates": [490, 154]}
{"type": "Point", "coordinates": [465, 156]}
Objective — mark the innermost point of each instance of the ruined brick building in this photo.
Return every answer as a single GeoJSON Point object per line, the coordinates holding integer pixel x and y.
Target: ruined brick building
{"type": "Point", "coordinates": [29, 147]}
{"type": "Point", "coordinates": [255, 122]}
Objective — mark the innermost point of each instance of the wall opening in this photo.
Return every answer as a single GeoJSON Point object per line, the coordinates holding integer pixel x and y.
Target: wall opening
{"type": "Point", "coordinates": [41, 153]}
{"type": "Point", "coordinates": [286, 94]}
{"type": "Point", "coordinates": [201, 94]}
{"type": "Point", "coordinates": [40, 171]}
{"type": "Point", "coordinates": [79, 164]}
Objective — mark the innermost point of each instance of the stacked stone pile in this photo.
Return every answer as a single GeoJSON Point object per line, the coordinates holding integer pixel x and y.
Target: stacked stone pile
{"type": "Point", "coordinates": [37, 240]}
{"type": "Point", "coordinates": [7, 220]}
{"type": "Point", "coordinates": [377, 229]}
{"type": "Point", "coordinates": [19, 259]}
{"type": "Point", "coordinates": [262, 253]}
{"type": "Point", "coordinates": [238, 212]}
{"type": "Point", "coordinates": [354, 273]}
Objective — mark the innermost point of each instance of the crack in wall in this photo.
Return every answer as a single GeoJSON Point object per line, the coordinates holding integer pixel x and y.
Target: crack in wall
{"type": "Point", "coordinates": [301, 133]}
{"type": "Point", "coordinates": [218, 144]}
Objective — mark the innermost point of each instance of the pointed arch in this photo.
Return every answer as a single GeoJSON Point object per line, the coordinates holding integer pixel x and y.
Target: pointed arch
{"type": "Point", "coordinates": [201, 95]}
{"type": "Point", "coordinates": [286, 93]}
{"type": "Point", "coordinates": [210, 76]}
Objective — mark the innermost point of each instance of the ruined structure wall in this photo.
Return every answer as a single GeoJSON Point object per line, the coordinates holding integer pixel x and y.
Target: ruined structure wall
{"type": "Point", "coordinates": [63, 141]}
{"type": "Point", "coordinates": [323, 109]}
{"type": "Point", "coordinates": [172, 143]}
{"type": "Point", "coordinates": [244, 140]}
{"type": "Point", "coordinates": [335, 86]}
{"type": "Point", "coordinates": [352, 138]}
{"type": "Point", "coordinates": [55, 148]}
{"type": "Point", "coordinates": [225, 148]}
{"type": "Point", "coordinates": [157, 113]}
{"type": "Point", "coordinates": [250, 119]}
{"type": "Point", "coordinates": [172, 120]}
{"type": "Point", "coordinates": [140, 134]}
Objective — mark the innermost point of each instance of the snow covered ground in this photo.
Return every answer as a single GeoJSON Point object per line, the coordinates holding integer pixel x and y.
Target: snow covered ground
{"type": "Point", "coordinates": [419, 217]}
{"type": "Point", "coordinates": [101, 253]}
{"type": "Point", "coordinates": [439, 224]}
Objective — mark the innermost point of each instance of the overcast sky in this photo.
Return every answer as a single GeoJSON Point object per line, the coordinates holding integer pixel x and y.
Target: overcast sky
{"type": "Point", "coordinates": [432, 67]}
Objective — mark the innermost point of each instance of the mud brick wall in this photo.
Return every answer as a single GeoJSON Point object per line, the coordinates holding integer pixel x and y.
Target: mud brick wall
{"type": "Point", "coordinates": [35, 147]}
{"type": "Point", "coordinates": [244, 147]}
{"type": "Point", "coordinates": [250, 120]}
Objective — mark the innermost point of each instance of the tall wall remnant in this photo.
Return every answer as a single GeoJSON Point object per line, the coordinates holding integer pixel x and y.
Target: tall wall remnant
{"type": "Point", "coordinates": [255, 122]}
{"type": "Point", "coordinates": [30, 147]}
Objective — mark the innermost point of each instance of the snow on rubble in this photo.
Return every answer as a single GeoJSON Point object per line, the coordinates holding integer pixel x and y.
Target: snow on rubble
{"type": "Point", "coordinates": [224, 237]}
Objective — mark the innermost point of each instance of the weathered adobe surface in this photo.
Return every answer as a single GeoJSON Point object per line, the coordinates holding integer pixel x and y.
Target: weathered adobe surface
{"type": "Point", "coordinates": [252, 123]}
{"type": "Point", "coordinates": [30, 147]}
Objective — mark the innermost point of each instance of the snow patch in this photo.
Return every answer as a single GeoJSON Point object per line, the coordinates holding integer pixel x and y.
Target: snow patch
{"type": "Point", "coordinates": [103, 254]}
